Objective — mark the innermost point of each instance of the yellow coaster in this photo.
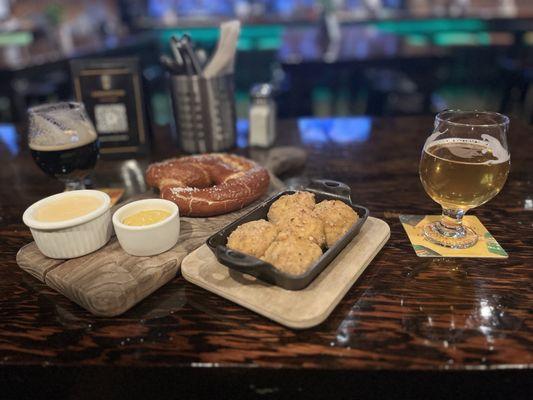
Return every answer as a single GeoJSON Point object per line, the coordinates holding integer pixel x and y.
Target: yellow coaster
{"type": "Point", "coordinates": [114, 193]}
{"type": "Point", "coordinates": [486, 246]}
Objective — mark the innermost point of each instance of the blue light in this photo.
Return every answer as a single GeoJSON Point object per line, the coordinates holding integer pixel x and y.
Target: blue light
{"type": "Point", "coordinates": [242, 132]}
{"type": "Point", "coordinates": [190, 8]}
{"type": "Point", "coordinates": [9, 137]}
{"type": "Point", "coordinates": [334, 130]}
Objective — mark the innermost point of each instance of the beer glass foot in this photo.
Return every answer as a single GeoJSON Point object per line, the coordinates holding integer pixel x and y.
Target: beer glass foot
{"type": "Point", "coordinates": [461, 238]}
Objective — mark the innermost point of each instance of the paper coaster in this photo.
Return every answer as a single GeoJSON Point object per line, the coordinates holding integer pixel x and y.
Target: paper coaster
{"type": "Point", "coordinates": [486, 246]}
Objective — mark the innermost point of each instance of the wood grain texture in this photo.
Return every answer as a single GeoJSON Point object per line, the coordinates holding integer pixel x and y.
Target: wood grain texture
{"type": "Point", "coordinates": [109, 281]}
{"type": "Point", "coordinates": [408, 315]}
{"type": "Point", "coordinates": [30, 259]}
{"type": "Point", "coordinates": [295, 309]}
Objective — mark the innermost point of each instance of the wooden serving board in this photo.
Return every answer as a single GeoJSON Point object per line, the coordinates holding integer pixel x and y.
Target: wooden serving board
{"type": "Point", "coordinates": [109, 281]}
{"type": "Point", "coordinates": [296, 309]}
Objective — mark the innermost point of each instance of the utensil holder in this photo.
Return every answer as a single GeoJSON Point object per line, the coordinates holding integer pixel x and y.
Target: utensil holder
{"type": "Point", "coordinates": [204, 112]}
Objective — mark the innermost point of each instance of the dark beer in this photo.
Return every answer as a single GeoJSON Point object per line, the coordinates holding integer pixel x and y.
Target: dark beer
{"type": "Point", "coordinates": [67, 162]}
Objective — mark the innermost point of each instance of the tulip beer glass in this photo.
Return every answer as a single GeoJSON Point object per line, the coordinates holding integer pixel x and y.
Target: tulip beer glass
{"type": "Point", "coordinates": [63, 142]}
{"type": "Point", "coordinates": [465, 162]}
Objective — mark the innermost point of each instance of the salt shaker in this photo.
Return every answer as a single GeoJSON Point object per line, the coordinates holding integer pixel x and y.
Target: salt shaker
{"type": "Point", "coordinates": [262, 116]}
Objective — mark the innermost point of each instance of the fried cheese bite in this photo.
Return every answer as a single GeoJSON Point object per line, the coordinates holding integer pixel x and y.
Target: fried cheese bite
{"type": "Point", "coordinates": [301, 223]}
{"type": "Point", "coordinates": [288, 203]}
{"type": "Point", "coordinates": [253, 237]}
{"type": "Point", "coordinates": [293, 256]}
{"type": "Point", "coordinates": [337, 217]}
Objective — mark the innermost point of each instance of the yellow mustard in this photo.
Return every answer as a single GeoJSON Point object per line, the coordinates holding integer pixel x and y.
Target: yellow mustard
{"type": "Point", "coordinates": [146, 217]}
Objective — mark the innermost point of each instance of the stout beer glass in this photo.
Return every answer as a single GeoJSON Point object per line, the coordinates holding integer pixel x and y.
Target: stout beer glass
{"type": "Point", "coordinates": [63, 142]}
{"type": "Point", "coordinates": [465, 162]}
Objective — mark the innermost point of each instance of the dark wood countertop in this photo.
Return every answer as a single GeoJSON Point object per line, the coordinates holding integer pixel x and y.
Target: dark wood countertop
{"type": "Point", "coordinates": [406, 320]}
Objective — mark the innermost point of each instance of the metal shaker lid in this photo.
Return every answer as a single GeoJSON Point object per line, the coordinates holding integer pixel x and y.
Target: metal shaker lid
{"type": "Point", "coordinates": [261, 91]}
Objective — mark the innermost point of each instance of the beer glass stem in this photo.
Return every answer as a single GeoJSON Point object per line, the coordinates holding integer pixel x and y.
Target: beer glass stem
{"type": "Point", "coordinates": [451, 223]}
{"type": "Point", "coordinates": [74, 184]}
{"type": "Point", "coordinates": [450, 231]}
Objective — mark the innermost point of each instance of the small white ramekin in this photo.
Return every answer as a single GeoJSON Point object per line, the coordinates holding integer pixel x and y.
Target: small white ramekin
{"type": "Point", "coordinates": [73, 237]}
{"type": "Point", "coordinates": [147, 240]}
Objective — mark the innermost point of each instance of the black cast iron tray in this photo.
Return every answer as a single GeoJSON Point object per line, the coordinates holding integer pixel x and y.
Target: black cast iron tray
{"type": "Point", "coordinates": [323, 190]}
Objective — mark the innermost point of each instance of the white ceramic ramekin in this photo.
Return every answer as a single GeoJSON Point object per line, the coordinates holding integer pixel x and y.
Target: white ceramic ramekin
{"type": "Point", "coordinates": [147, 240]}
{"type": "Point", "coordinates": [73, 237]}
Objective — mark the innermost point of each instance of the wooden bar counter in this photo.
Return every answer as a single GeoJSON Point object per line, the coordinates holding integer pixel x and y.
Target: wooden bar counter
{"type": "Point", "coordinates": [432, 327]}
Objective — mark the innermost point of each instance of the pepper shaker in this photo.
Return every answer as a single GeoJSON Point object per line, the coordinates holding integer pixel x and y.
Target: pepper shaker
{"type": "Point", "coordinates": [262, 116]}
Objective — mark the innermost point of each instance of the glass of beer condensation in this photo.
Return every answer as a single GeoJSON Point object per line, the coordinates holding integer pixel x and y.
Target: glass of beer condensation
{"type": "Point", "coordinates": [465, 162]}
{"type": "Point", "coordinates": [63, 142]}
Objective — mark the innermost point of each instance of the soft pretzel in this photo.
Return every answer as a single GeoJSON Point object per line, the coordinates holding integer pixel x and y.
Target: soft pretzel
{"type": "Point", "coordinates": [208, 184]}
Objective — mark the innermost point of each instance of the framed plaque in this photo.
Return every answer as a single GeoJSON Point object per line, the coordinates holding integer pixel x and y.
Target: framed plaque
{"type": "Point", "coordinates": [111, 90]}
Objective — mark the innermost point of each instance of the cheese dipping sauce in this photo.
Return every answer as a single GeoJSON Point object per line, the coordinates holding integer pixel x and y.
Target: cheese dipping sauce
{"type": "Point", "coordinates": [146, 217]}
{"type": "Point", "coordinates": [65, 208]}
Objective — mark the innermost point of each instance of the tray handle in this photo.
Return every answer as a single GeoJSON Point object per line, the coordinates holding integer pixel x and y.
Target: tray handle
{"type": "Point", "coordinates": [238, 261]}
{"type": "Point", "coordinates": [334, 188]}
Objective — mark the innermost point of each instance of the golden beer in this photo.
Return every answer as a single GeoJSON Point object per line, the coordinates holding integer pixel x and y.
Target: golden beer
{"type": "Point", "coordinates": [461, 174]}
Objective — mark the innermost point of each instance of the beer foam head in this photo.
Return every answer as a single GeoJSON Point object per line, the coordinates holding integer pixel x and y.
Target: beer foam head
{"type": "Point", "coordinates": [498, 151]}
{"type": "Point", "coordinates": [469, 149]}
{"type": "Point", "coordinates": [59, 127]}
{"type": "Point", "coordinates": [431, 139]}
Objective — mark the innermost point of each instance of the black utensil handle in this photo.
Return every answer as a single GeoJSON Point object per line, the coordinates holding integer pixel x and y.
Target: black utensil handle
{"type": "Point", "coordinates": [174, 47]}
{"type": "Point", "coordinates": [335, 188]}
{"type": "Point", "coordinates": [237, 260]}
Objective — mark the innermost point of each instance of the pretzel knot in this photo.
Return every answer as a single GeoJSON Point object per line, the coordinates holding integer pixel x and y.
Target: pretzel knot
{"type": "Point", "coordinates": [208, 184]}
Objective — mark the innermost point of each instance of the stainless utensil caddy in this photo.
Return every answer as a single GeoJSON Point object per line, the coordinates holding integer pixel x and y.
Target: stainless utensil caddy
{"type": "Point", "coordinates": [204, 112]}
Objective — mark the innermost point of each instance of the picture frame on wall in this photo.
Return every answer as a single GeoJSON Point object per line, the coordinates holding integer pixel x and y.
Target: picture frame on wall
{"type": "Point", "coordinates": [111, 90]}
